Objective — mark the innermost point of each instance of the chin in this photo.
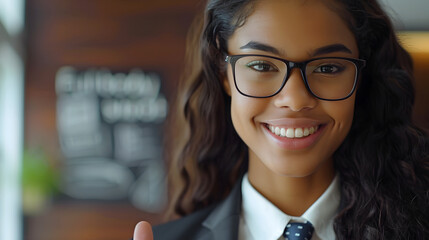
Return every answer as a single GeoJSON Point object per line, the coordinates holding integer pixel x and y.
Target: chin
{"type": "Point", "coordinates": [299, 167]}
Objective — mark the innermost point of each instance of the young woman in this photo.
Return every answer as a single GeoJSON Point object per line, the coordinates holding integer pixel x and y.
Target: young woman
{"type": "Point", "coordinates": [299, 117]}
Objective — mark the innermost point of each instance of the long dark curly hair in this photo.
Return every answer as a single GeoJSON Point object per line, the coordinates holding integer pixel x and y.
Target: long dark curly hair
{"type": "Point", "coordinates": [383, 164]}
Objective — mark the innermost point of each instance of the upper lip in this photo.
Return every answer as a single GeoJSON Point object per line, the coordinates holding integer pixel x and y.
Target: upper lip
{"type": "Point", "coordinates": [293, 122]}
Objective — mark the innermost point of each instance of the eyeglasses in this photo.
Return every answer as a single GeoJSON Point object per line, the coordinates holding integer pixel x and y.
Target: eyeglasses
{"type": "Point", "coordinates": [328, 78]}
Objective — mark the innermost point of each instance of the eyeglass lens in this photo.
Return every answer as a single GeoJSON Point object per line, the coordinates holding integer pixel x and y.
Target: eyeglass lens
{"type": "Point", "coordinates": [328, 78]}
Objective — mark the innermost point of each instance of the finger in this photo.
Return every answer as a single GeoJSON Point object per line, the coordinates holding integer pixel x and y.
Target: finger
{"type": "Point", "coordinates": [143, 231]}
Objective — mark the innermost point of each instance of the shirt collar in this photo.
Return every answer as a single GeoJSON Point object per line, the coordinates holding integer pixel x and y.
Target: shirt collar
{"type": "Point", "coordinates": [322, 212]}
{"type": "Point", "coordinates": [263, 219]}
{"type": "Point", "coordinates": [258, 211]}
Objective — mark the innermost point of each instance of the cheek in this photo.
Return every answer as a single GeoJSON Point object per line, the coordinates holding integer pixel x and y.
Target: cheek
{"type": "Point", "coordinates": [347, 112]}
{"type": "Point", "coordinates": [240, 113]}
{"type": "Point", "coordinates": [342, 113]}
{"type": "Point", "coordinates": [243, 113]}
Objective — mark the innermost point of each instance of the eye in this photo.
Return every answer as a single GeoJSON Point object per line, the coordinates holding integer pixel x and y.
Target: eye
{"type": "Point", "coordinates": [262, 66]}
{"type": "Point", "coordinates": [329, 69]}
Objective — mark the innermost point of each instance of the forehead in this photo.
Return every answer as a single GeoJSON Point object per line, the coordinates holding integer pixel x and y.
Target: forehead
{"type": "Point", "coordinates": [296, 27]}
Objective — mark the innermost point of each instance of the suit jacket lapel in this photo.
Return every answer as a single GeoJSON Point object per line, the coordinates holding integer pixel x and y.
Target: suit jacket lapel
{"type": "Point", "coordinates": [224, 220]}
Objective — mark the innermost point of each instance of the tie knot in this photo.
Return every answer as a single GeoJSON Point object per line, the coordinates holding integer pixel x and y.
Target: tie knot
{"type": "Point", "coordinates": [298, 231]}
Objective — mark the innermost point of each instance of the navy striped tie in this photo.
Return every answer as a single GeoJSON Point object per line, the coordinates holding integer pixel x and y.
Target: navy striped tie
{"type": "Point", "coordinates": [298, 231]}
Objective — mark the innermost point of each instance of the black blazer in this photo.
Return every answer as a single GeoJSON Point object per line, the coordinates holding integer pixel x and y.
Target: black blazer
{"type": "Point", "coordinates": [219, 222]}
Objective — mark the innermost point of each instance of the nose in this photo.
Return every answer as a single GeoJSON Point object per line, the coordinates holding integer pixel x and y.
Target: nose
{"type": "Point", "coordinates": [294, 95]}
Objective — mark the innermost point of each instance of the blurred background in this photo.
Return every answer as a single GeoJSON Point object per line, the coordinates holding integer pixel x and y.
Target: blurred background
{"type": "Point", "coordinates": [85, 87]}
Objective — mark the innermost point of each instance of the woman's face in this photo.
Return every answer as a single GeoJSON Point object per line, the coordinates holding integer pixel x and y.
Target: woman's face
{"type": "Point", "coordinates": [296, 31]}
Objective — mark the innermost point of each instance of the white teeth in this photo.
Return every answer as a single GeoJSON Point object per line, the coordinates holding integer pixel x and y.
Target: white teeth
{"type": "Point", "coordinates": [283, 132]}
{"type": "Point", "coordinates": [277, 131]}
{"type": "Point", "coordinates": [290, 133]}
{"type": "Point", "coordinates": [293, 132]}
{"type": "Point", "coordinates": [299, 133]}
{"type": "Point", "coordinates": [306, 132]}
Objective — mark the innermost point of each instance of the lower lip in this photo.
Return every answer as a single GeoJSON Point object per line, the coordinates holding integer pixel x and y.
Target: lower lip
{"type": "Point", "coordinates": [295, 143]}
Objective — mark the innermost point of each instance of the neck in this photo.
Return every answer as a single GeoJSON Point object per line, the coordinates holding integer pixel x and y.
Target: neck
{"type": "Point", "coordinates": [291, 194]}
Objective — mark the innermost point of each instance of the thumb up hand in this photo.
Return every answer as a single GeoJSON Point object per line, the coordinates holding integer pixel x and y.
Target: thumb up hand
{"type": "Point", "coordinates": [143, 231]}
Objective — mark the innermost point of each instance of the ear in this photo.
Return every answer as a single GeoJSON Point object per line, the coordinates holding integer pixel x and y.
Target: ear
{"type": "Point", "coordinates": [226, 86]}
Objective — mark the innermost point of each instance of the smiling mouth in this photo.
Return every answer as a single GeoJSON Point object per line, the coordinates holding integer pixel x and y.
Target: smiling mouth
{"type": "Point", "coordinates": [292, 132]}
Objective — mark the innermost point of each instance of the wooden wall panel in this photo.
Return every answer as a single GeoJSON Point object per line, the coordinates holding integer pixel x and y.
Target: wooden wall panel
{"type": "Point", "coordinates": [421, 73]}
{"type": "Point", "coordinates": [120, 35]}
{"type": "Point", "coordinates": [98, 33]}
{"type": "Point", "coordinates": [86, 221]}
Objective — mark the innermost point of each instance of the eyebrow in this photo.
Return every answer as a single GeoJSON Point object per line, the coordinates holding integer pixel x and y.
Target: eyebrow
{"type": "Point", "coordinates": [319, 51]}
{"type": "Point", "coordinates": [261, 46]}
{"type": "Point", "coordinates": [331, 49]}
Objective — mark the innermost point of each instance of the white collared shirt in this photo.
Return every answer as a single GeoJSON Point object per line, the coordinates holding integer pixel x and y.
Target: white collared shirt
{"type": "Point", "coordinates": [260, 219]}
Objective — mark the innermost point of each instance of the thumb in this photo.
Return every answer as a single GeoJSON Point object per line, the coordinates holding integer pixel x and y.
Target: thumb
{"type": "Point", "coordinates": [143, 231]}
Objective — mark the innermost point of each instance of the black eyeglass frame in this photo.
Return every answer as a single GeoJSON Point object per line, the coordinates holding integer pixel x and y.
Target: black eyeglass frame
{"type": "Point", "coordinates": [359, 63]}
